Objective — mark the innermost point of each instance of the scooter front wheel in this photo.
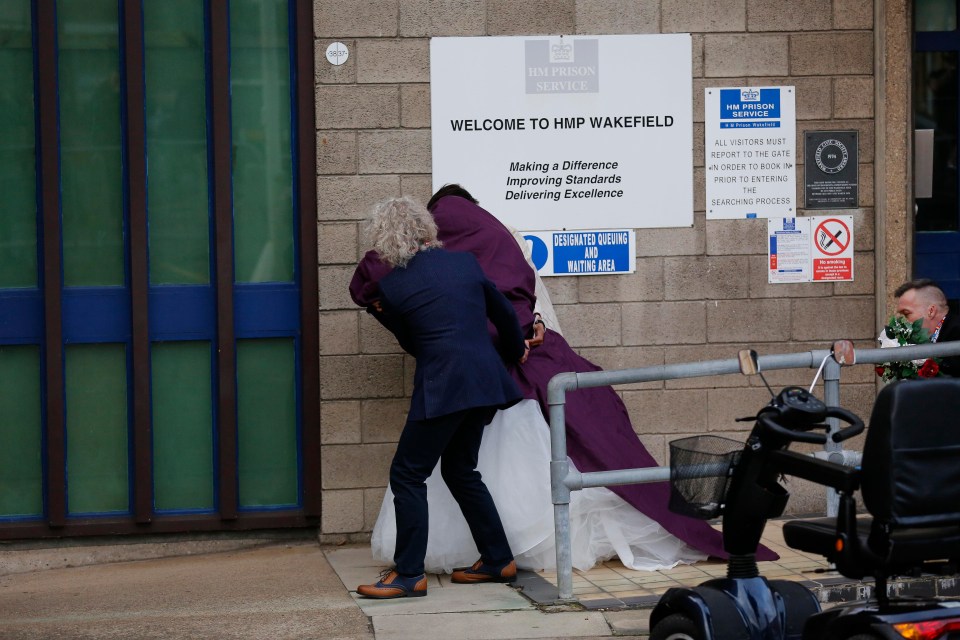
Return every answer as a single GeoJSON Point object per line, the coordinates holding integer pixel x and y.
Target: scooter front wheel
{"type": "Point", "coordinates": [676, 627]}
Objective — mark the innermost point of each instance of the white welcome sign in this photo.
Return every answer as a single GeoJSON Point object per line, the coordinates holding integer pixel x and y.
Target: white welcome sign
{"type": "Point", "coordinates": [567, 132]}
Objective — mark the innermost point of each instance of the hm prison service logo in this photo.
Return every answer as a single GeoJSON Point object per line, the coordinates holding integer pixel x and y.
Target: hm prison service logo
{"type": "Point", "coordinates": [750, 108]}
{"type": "Point", "coordinates": [562, 65]}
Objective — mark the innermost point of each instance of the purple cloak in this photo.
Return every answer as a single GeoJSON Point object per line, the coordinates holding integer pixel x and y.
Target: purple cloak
{"type": "Point", "coordinates": [600, 436]}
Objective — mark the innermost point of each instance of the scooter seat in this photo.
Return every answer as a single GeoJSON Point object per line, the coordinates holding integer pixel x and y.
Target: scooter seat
{"type": "Point", "coordinates": [910, 484]}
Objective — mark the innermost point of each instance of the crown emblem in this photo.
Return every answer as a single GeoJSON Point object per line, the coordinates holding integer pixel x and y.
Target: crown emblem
{"type": "Point", "coordinates": [748, 95]}
{"type": "Point", "coordinates": [561, 52]}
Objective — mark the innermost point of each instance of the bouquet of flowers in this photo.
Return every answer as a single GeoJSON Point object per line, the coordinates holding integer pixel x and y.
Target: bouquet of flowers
{"type": "Point", "coordinates": [900, 332]}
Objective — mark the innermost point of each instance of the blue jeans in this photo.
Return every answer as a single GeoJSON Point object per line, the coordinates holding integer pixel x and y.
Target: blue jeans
{"type": "Point", "coordinates": [454, 440]}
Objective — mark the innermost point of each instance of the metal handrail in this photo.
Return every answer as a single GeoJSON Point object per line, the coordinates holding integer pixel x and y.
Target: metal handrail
{"type": "Point", "coordinates": [563, 479]}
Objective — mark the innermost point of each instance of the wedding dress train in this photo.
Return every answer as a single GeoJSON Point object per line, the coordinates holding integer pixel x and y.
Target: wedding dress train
{"type": "Point", "coordinates": [515, 464]}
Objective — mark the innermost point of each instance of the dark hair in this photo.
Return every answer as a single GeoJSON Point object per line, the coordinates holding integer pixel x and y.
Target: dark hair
{"type": "Point", "coordinates": [919, 283]}
{"type": "Point", "coordinates": [450, 190]}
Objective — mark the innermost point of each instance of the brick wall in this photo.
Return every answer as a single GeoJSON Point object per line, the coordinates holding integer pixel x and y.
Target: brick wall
{"type": "Point", "coordinates": [698, 293]}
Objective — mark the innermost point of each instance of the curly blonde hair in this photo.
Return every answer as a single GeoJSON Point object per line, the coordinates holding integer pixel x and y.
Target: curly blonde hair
{"type": "Point", "coordinates": [398, 228]}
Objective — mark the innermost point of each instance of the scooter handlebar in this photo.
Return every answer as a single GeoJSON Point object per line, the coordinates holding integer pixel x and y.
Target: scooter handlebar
{"type": "Point", "coordinates": [855, 428]}
{"type": "Point", "coordinates": [797, 435]}
{"type": "Point", "coordinates": [790, 434]}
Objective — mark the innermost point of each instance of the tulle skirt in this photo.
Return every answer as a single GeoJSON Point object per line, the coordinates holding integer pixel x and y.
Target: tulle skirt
{"type": "Point", "coordinates": [515, 464]}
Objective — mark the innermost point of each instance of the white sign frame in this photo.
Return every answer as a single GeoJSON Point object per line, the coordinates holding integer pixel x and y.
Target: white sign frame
{"type": "Point", "coordinates": [810, 249]}
{"type": "Point", "coordinates": [788, 250]}
{"type": "Point", "coordinates": [750, 152]}
{"type": "Point", "coordinates": [527, 122]}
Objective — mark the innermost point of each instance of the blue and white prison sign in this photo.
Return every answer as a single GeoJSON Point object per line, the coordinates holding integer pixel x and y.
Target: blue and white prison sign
{"type": "Point", "coordinates": [750, 152]}
{"type": "Point", "coordinates": [583, 253]}
{"type": "Point", "coordinates": [750, 108]}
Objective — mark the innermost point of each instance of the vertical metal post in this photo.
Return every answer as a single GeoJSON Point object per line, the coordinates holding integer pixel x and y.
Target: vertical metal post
{"type": "Point", "coordinates": [831, 396]}
{"type": "Point", "coordinates": [560, 493]}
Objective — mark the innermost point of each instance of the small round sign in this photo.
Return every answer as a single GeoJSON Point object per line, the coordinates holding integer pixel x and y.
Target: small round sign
{"type": "Point", "coordinates": [337, 53]}
{"type": "Point", "coordinates": [538, 251]}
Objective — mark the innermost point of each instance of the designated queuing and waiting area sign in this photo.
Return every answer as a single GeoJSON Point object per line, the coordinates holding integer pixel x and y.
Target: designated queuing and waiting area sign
{"type": "Point", "coordinates": [567, 132]}
{"type": "Point", "coordinates": [750, 152]}
{"type": "Point", "coordinates": [810, 249]}
{"type": "Point", "coordinates": [583, 253]}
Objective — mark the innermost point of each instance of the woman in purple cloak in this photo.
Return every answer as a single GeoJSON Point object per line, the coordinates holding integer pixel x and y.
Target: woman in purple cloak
{"type": "Point", "coordinates": [630, 521]}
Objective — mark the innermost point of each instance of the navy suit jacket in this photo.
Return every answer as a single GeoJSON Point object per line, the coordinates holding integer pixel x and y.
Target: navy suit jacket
{"type": "Point", "coordinates": [438, 306]}
{"type": "Point", "coordinates": [949, 332]}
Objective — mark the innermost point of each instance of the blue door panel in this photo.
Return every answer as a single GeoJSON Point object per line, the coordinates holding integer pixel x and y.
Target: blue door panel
{"type": "Point", "coordinates": [100, 314]}
{"type": "Point", "coordinates": [104, 314]}
{"type": "Point", "coordinates": [937, 256]}
{"type": "Point", "coordinates": [937, 96]}
{"type": "Point", "coordinates": [182, 313]}
{"type": "Point", "coordinates": [189, 312]}
{"type": "Point", "coordinates": [266, 310]}
{"type": "Point", "coordinates": [21, 316]}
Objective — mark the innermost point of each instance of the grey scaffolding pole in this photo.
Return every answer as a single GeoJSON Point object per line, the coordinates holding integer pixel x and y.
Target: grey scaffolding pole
{"type": "Point", "coordinates": [563, 479]}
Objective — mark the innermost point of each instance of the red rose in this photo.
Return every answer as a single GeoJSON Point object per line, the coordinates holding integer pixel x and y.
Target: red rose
{"type": "Point", "coordinates": [929, 369]}
{"type": "Point", "coordinates": [879, 369]}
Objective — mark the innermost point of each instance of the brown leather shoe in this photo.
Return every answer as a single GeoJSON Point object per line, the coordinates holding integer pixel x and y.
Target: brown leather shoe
{"type": "Point", "coordinates": [481, 572]}
{"type": "Point", "coordinates": [393, 585]}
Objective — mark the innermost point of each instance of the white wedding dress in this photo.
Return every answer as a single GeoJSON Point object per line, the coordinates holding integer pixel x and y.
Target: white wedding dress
{"type": "Point", "coordinates": [515, 464]}
{"type": "Point", "coordinates": [514, 461]}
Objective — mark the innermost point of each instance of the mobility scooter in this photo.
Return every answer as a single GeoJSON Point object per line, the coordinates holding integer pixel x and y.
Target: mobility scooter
{"type": "Point", "coordinates": [909, 481]}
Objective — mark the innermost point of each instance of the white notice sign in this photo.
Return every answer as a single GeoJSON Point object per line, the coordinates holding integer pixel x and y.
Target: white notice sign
{"type": "Point", "coordinates": [567, 132]}
{"type": "Point", "coordinates": [789, 250]}
{"type": "Point", "coordinates": [750, 152]}
{"type": "Point", "coordinates": [810, 249]}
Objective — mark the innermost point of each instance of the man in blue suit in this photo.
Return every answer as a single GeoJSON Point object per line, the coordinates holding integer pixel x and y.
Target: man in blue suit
{"type": "Point", "coordinates": [437, 304]}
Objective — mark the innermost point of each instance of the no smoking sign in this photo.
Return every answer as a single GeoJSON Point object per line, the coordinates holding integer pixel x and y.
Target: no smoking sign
{"type": "Point", "coordinates": [833, 249]}
{"type": "Point", "coordinates": [833, 237]}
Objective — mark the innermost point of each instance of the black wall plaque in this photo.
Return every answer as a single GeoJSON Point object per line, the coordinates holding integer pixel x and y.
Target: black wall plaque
{"type": "Point", "coordinates": [830, 171]}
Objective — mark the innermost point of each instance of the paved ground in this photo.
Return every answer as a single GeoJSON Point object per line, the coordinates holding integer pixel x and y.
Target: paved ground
{"type": "Point", "coordinates": [267, 590]}
{"type": "Point", "coordinates": [294, 588]}
{"type": "Point", "coordinates": [475, 612]}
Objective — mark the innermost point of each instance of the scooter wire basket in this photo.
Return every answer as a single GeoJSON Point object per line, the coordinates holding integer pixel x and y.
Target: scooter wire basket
{"type": "Point", "coordinates": [700, 470]}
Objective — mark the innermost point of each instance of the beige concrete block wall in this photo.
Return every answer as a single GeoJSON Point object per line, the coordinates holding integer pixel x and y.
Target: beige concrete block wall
{"type": "Point", "coordinates": [698, 293]}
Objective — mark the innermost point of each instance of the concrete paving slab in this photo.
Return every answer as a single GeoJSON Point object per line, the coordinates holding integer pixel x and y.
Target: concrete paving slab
{"type": "Point", "coordinates": [491, 625]}
{"type": "Point", "coordinates": [354, 565]}
{"type": "Point", "coordinates": [635, 622]}
{"type": "Point", "coordinates": [453, 598]}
